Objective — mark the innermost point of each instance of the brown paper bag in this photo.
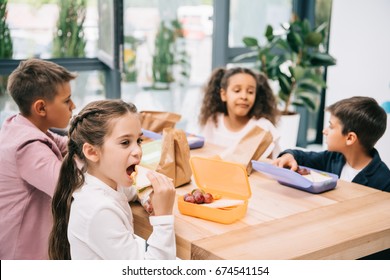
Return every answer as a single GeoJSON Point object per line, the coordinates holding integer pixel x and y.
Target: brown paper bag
{"type": "Point", "coordinates": [250, 147]}
{"type": "Point", "coordinates": [175, 156]}
{"type": "Point", "coordinates": [156, 121]}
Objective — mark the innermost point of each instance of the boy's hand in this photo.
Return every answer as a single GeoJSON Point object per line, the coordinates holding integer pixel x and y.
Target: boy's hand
{"type": "Point", "coordinates": [286, 160]}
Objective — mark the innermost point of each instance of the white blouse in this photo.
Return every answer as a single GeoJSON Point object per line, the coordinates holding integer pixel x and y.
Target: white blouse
{"type": "Point", "coordinates": [222, 136]}
{"type": "Point", "coordinates": [101, 226]}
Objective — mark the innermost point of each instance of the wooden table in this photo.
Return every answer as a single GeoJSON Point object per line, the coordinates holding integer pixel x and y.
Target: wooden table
{"type": "Point", "coordinates": [348, 222]}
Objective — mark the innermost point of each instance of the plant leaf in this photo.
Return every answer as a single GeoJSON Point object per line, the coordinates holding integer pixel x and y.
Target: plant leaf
{"type": "Point", "coordinates": [308, 101]}
{"type": "Point", "coordinates": [321, 59]}
{"type": "Point", "coordinates": [316, 78]}
{"type": "Point", "coordinates": [308, 87]}
{"type": "Point", "coordinates": [306, 27]}
{"type": "Point", "coordinates": [250, 42]}
{"type": "Point", "coordinates": [298, 72]}
{"type": "Point", "coordinates": [281, 44]}
{"type": "Point", "coordinates": [313, 39]}
{"type": "Point", "coordinates": [295, 41]}
{"type": "Point", "coordinates": [269, 33]}
{"type": "Point", "coordinates": [285, 83]}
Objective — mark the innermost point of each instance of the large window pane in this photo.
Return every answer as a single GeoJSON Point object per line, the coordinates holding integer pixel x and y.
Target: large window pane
{"type": "Point", "coordinates": [250, 17]}
{"type": "Point", "coordinates": [142, 26]}
{"type": "Point", "coordinates": [33, 27]}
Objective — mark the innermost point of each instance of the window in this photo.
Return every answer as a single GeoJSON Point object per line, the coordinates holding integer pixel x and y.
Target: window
{"type": "Point", "coordinates": [250, 17]}
{"type": "Point", "coordinates": [162, 40]}
{"type": "Point", "coordinates": [35, 26]}
{"type": "Point", "coordinates": [142, 20]}
{"type": "Point", "coordinates": [36, 31]}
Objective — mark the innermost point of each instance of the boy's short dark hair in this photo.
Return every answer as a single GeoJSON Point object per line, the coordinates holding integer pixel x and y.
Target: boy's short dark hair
{"type": "Point", "coordinates": [34, 79]}
{"type": "Point", "coordinates": [362, 115]}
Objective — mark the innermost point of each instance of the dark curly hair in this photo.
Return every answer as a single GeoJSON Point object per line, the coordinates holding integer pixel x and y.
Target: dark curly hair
{"type": "Point", "coordinates": [265, 103]}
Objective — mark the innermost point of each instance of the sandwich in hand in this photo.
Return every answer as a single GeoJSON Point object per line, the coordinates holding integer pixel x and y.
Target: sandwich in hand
{"type": "Point", "coordinates": [142, 184]}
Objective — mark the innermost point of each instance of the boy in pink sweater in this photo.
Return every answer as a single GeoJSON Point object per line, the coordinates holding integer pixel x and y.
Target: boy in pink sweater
{"type": "Point", "coordinates": [31, 156]}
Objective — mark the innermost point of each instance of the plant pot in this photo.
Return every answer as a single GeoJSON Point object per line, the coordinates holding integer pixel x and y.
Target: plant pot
{"type": "Point", "coordinates": [288, 127]}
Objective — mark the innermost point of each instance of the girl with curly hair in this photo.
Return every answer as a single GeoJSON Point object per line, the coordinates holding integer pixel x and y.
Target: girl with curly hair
{"type": "Point", "coordinates": [235, 101]}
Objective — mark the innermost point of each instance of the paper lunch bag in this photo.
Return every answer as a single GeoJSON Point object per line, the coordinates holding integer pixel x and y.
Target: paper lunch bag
{"type": "Point", "coordinates": [250, 147]}
{"type": "Point", "coordinates": [175, 156]}
{"type": "Point", "coordinates": [156, 121]}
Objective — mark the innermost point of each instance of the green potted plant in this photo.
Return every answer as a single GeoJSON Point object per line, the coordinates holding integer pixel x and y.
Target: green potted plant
{"type": "Point", "coordinates": [295, 60]}
{"type": "Point", "coordinates": [6, 47]}
{"type": "Point", "coordinates": [169, 53]}
{"type": "Point", "coordinates": [69, 40]}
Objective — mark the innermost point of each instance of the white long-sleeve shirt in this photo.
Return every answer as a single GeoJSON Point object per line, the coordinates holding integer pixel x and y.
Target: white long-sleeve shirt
{"type": "Point", "coordinates": [222, 136]}
{"type": "Point", "coordinates": [101, 226]}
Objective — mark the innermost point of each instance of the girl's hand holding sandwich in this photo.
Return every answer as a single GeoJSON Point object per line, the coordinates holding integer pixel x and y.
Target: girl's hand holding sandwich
{"type": "Point", "coordinates": [156, 191]}
{"type": "Point", "coordinates": [163, 196]}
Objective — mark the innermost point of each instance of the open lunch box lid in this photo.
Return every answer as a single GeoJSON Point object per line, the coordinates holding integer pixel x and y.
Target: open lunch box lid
{"type": "Point", "coordinates": [293, 179]}
{"type": "Point", "coordinates": [221, 177]}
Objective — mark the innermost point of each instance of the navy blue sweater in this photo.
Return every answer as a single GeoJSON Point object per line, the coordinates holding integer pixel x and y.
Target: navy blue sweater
{"type": "Point", "coordinates": [375, 175]}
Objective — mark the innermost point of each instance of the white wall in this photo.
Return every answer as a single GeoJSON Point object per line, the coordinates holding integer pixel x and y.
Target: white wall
{"type": "Point", "coordinates": [360, 41]}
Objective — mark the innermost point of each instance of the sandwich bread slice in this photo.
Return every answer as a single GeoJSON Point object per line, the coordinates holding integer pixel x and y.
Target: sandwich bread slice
{"type": "Point", "coordinates": [142, 183]}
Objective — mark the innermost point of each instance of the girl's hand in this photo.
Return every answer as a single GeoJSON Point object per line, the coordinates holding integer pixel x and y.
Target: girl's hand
{"type": "Point", "coordinates": [164, 193]}
{"type": "Point", "coordinates": [286, 160]}
{"type": "Point", "coordinates": [148, 205]}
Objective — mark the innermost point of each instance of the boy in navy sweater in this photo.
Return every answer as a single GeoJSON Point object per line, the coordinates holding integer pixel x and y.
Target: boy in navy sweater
{"type": "Point", "coordinates": [355, 125]}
